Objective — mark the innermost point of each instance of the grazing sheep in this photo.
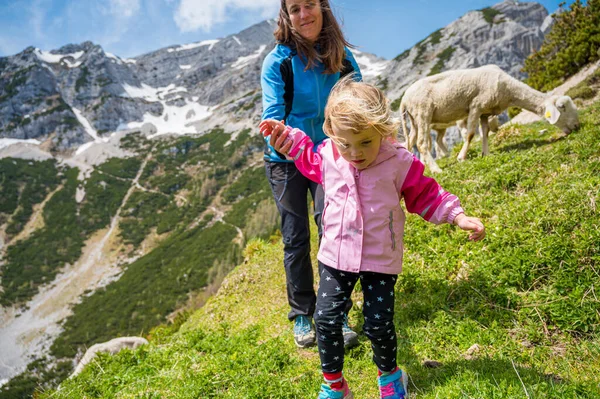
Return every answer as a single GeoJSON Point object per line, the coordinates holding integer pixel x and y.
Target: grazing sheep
{"type": "Point", "coordinates": [473, 95]}
{"type": "Point", "coordinates": [113, 346]}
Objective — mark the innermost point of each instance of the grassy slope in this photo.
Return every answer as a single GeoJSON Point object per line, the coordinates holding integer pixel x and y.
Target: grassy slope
{"type": "Point", "coordinates": [527, 295]}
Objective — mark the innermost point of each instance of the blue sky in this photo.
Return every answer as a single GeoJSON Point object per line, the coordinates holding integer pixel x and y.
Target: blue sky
{"type": "Point", "coordinates": [129, 28]}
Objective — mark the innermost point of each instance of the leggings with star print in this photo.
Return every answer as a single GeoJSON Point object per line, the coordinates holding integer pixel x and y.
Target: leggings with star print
{"type": "Point", "coordinates": [335, 288]}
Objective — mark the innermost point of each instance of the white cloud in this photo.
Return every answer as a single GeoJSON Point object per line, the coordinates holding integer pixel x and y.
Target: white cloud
{"type": "Point", "coordinates": [37, 14]}
{"type": "Point", "coordinates": [118, 14]}
{"type": "Point", "coordinates": [124, 8]}
{"type": "Point", "coordinates": [192, 15]}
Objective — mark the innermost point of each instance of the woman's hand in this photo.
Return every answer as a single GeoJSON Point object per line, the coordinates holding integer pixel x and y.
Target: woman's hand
{"type": "Point", "coordinates": [472, 224]}
{"type": "Point", "coordinates": [279, 137]}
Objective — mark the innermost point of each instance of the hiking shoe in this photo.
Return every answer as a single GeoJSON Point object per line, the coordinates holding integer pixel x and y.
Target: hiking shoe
{"type": "Point", "coordinates": [350, 337]}
{"type": "Point", "coordinates": [328, 393]}
{"type": "Point", "coordinates": [393, 386]}
{"type": "Point", "coordinates": [304, 333]}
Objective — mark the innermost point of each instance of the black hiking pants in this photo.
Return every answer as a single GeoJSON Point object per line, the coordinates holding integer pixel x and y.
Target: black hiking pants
{"type": "Point", "coordinates": [290, 190]}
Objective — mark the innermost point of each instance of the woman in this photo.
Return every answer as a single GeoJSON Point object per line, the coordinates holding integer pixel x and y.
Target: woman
{"type": "Point", "coordinates": [297, 75]}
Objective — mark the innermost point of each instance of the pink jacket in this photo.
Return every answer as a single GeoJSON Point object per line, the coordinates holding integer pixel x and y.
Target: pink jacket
{"type": "Point", "coordinates": [363, 222]}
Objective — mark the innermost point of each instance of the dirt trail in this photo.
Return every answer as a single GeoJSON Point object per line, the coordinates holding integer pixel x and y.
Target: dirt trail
{"type": "Point", "coordinates": [30, 332]}
{"type": "Point", "coordinates": [219, 218]}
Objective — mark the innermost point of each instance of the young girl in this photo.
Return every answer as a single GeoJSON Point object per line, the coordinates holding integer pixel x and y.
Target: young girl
{"type": "Point", "coordinates": [365, 174]}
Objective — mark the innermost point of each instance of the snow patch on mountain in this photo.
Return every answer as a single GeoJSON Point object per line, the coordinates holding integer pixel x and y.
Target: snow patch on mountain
{"type": "Point", "coordinates": [190, 46]}
{"type": "Point", "coordinates": [244, 61]}
{"type": "Point", "coordinates": [175, 119]}
{"type": "Point", "coordinates": [369, 65]}
{"type": "Point", "coordinates": [9, 142]}
{"type": "Point", "coordinates": [51, 58]}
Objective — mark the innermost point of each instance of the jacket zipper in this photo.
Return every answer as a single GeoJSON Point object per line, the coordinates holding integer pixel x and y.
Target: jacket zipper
{"type": "Point", "coordinates": [312, 122]}
{"type": "Point", "coordinates": [391, 225]}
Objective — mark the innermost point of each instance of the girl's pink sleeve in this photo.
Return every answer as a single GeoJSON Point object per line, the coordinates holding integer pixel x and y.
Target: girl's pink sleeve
{"type": "Point", "coordinates": [307, 161]}
{"type": "Point", "coordinates": [424, 196]}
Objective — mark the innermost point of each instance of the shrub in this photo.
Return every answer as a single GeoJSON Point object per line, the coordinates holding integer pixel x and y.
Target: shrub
{"type": "Point", "coordinates": [402, 56]}
{"type": "Point", "coordinates": [442, 57]}
{"type": "Point", "coordinates": [489, 14]}
{"type": "Point", "coordinates": [435, 37]}
{"type": "Point", "coordinates": [83, 78]}
{"type": "Point", "coordinates": [573, 42]}
{"type": "Point", "coordinates": [513, 111]}
{"type": "Point", "coordinates": [395, 105]}
{"type": "Point", "coordinates": [382, 83]}
{"type": "Point", "coordinates": [582, 90]}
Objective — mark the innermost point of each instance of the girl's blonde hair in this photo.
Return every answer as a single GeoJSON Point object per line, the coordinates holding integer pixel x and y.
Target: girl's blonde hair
{"type": "Point", "coordinates": [330, 43]}
{"type": "Point", "coordinates": [358, 106]}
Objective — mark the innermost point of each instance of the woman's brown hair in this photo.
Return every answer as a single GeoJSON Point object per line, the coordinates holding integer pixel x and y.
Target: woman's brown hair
{"type": "Point", "coordinates": [330, 43]}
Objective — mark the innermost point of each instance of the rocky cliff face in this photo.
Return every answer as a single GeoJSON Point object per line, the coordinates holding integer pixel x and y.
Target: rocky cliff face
{"type": "Point", "coordinates": [80, 93]}
{"type": "Point", "coordinates": [213, 70]}
{"type": "Point", "coordinates": [71, 95]}
{"type": "Point", "coordinates": [504, 34]}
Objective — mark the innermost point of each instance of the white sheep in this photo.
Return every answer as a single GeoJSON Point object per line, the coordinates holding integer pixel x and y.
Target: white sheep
{"type": "Point", "coordinates": [113, 346]}
{"type": "Point", "coordinates": [473, 95]}
{"type": "Point", "coordinates": [440, 148]}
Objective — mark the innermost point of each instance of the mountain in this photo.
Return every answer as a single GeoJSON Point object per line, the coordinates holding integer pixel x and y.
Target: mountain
{"type": "Point", "coordinates": [504, 34]}
{"type": "Point", "coordinates": [80, 93]}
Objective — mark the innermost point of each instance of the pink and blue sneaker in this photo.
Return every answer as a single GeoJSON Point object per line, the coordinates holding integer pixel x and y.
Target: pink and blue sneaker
{"type": "Point", "coordinates": [394, 385]}
{"type": "Point", "coordinates": [328, 393]}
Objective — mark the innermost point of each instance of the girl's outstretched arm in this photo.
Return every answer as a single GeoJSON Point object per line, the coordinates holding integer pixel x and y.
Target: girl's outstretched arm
{"type": "Point", "coordinates": [296, 146]}
{"type": "Point", "coordinates": [278, 133]}
{"type": "Point", "coordinates": [472, 224]}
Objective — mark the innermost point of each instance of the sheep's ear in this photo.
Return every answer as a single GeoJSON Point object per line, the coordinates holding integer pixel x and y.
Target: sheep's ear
{"type": "Point", "coordinates": [552, 114]}
{"type": "Point", "coordinates": [562, 102]}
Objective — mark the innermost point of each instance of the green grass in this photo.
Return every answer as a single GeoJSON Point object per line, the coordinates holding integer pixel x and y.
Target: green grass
{"type": "Point", "coordinates": [527, 295]}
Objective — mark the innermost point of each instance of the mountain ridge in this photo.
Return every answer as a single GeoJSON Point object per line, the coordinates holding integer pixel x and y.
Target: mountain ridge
{"type": "Point", "coordinates": [80, 93]}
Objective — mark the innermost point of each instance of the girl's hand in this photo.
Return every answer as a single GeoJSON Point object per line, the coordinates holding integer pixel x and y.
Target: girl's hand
{"type": "Point", "coordinates": [279, 137]}
{"type": "Point", "coordinates": [472, 224]}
